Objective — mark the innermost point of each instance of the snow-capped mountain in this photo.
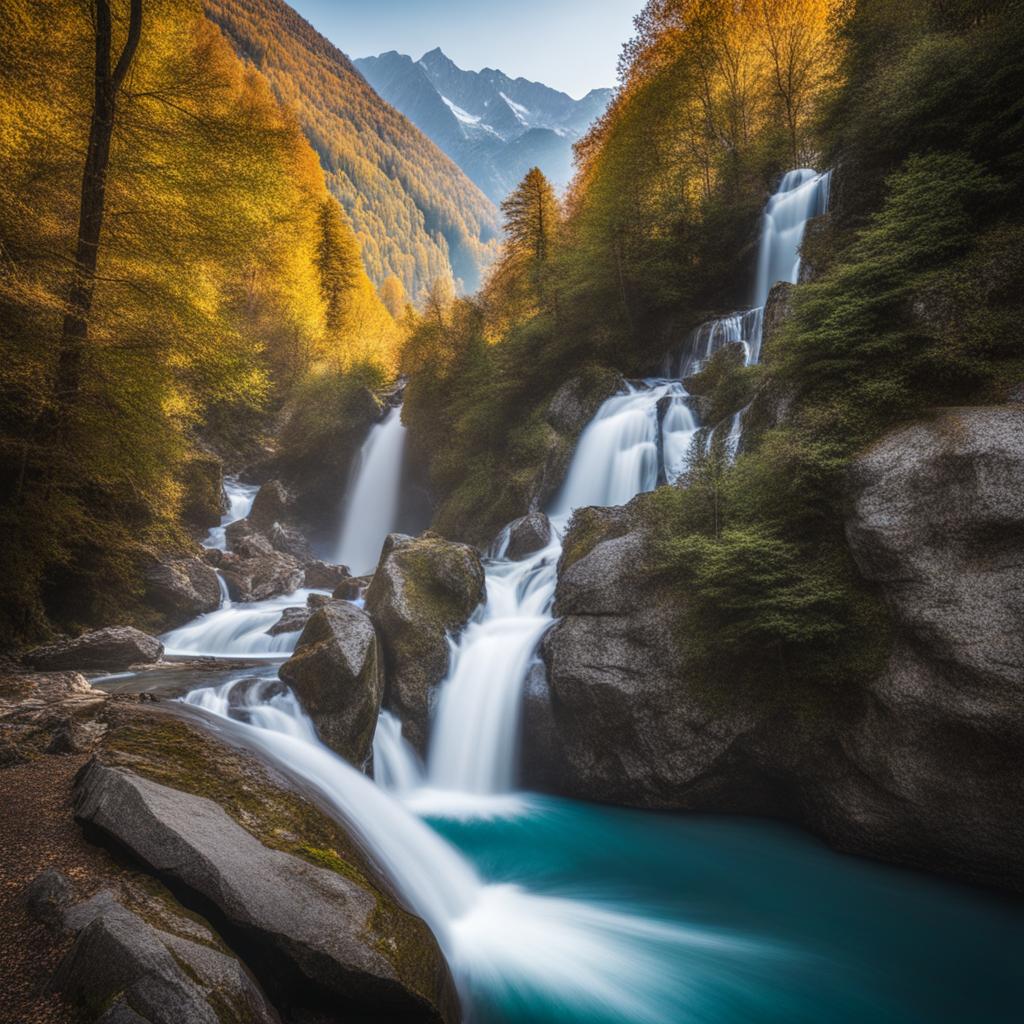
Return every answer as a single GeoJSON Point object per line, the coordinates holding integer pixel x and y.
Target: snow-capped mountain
{"type": "Point", "coordinates": [495, 127]}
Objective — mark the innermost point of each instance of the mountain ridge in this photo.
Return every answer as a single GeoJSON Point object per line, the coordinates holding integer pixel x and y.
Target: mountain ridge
{"type": "Point", "coordinates": [493, 126]}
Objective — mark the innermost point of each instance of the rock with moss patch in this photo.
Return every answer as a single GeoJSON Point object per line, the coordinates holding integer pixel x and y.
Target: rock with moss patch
{"type": "Point", "coordinates": [337, 674]}
{"type": "Point", "coordinates": [320, 937]}
{"type": "Point", "coordinates": [124, 969]}
{"type": "Point", "coordinates": [203, 499]}
{"type": "Point", "coordinates": [424, 590]}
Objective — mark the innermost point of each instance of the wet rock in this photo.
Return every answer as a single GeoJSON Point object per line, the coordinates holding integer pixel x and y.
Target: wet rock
{"type": "Point", "coordinates": [182, 588]}
{"type": "Point", "coordinates": [292, 620]}
{"type": "Point", "coordinates": [316, 934]}
{"type": "Point", "coordinates": [423, 590]}
{"type": "Point", "coordinates": [337, 674]}
{"type": "Point", "coordinates": [315, 601]}
{"type": "Point", "coordinates": [527, 535]}
{"type": "Point", "coordinates": [352, 588]}
{"type": "Point", "coordinates": [246, 540]}
{"type": "Point", "coordinates": [256, 690]}
{"type": "Point", "coordinates": [271, 505]}
{"type": "Point", "coordinates": [126, 969]}
{"type": "Point", "coordinates": [290, 541]}
{"type": "Point", "coordinates": [113, 648]}
{"type": "Point", "coordinates": [325, 575]}
{"type": "Point", "coordinates": [263, 576]}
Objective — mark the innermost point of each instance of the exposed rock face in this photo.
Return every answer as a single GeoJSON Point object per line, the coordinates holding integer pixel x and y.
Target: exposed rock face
{"type": "Point", "coordinates": [204, 500]}
{"type": "Point", "coordinates": [527, 535]}
{"type": "Point", "coordinates": [182, 588]}
{"type": "Point", "coordinates": [127, 970]}
{"type": "Point", "coordinates": [337, 674]}
{"type": "Point", "coordinates": [313, 931]}
{"type": "Point", "coordinates": [936, 517]}
{"type": "Point", "coordinates": [262, 576]}
{"type": "Point", "coordinates": [113, 648]}
{"type": "Point", "coordinates": [246, 540]}
{"type": "Point", "coordinates": [292, 620]}
{"type": "Point", "coordinates": [325, 575]}
{"type": "Point", "coordinates": [424, 589]}
{"type": "Point", "coordinates": [921, 766]}
{"type": "Point", "coordinates": [271, 505]}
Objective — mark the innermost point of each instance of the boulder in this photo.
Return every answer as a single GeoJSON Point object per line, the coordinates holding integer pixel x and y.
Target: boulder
{"type": "Point", "coordinates": [47, 898]}
{"type": "Point", "coordinates": [315, 601]}
{"type": "Point", "coordinates": [352, 588]}
{"type": "Point", "coordinates": [337, 674]}
{"type": "Point", "coordinates": [290, 541]}
{"type": "Point", "coordinates": [246, 540]}
{"type": "Point", "coordinates": [292, 620]}
{"type": "Point", "coordinates": [423, 591]}
{"type": "Point", "coordinates": [316, 934]}
{"type": "Point", "coordinates": [936, 519]}
{"type": "Point", "coordinates": [527, 535]}
{"type": "Point", "coordinates": [628, 727]}
{"type": "Point", "coordinates": [110, 649]}
{"type": "Point", "coordinates": [182, 589]}
{"type": "Point", "coordinates": [263, 576]}
{"type": "Point", "coordinates": [325, 575]}
{"type": "Point", "coordinates": [124, 969]}
{"type": "Point", "coordinates": [271, 505]}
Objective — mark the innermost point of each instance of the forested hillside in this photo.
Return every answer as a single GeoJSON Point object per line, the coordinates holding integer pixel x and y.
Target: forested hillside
{"type": "Point", "coordinates": [914, 302]}
{"type": "Point", "coordinates": [416, 214]}
{"type": "Point", "coordinates": [227, 281]}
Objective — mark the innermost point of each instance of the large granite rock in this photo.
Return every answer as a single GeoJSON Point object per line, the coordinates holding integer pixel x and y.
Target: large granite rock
{"type": "Point", "coordinates": [424, 590]}
{"type": "Point", "coordinates": [337, 674]}
{"type": "Point", "coordinates": [919, 766]}
{"type": "Point", "coordinates": [182, 589]}
{"type": "Point", "coordinates": [123, 969]}
{"type": "Point", "coordinates": [111, 649]}
{"type": "Point", "coordinates": [936, 519]}
{"type": "Point", "coordinates": [318, 935]}
{"type": "Point", "coordinates": [262, 576]}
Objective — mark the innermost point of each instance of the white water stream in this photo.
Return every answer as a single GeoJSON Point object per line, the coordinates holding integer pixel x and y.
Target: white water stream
{"type": "Point", "coordinates": [371, 503]}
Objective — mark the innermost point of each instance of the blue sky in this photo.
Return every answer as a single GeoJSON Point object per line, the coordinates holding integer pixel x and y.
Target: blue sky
{"type": "Point", "coordinates": [572, 45]}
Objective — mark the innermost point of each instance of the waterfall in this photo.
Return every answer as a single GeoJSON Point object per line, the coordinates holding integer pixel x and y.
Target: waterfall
{"type": "Point", "coordinates": [801, 195]}
{"type": "Point", "coordinates": [370, 507]}
{"type": "Point", "coordinates": [240, 498]}
{"type": "Point", "coordinates": [594, 959]}
{"type": "Point", "coordinates": [639, 438]}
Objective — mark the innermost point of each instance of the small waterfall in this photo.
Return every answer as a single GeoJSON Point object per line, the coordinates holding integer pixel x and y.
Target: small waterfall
{"type": "Point", "coordinates": [370, 508]}
{"type": "Point", "coordinates": [598, 961]}
{"type": "Point", "coordinates": [240, 498]}
{"type": "Point", "coordinates": [396, 768]}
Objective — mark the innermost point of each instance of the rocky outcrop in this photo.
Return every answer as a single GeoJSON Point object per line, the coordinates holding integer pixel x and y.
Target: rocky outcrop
{"type": "Point", "coordinates": [123, 969]}
{"type": "Point", "coordinates": [325, 575]}
{"type": "Point", "coordinates": [261, 576]}
{"type": "Point", "coordinates": [110, 649]}
{"type": "Point", "coordinates": [919, 766]}
{"type": "Point", "coordinates": [317, 935]}
{"type": "Point", "coordinates": [936, 519]}
{"type": "Point", "coordinates": [337, 674]}
{"type": "Point", "coordinates": [424, 589]}
{"type": "Point", "coordinates": [527, 535]}
{"type": "Point", "coordinates": [203, 498]}
{"type": "Point", "coordinates": [271, 505]}
{"type": "Point", "coordinates": [182, 589]}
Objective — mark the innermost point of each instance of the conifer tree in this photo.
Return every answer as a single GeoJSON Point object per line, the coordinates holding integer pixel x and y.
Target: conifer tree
{"type": "Point", "coordinates": [532, 219]}
{"type": "Point", "coordinates": [338, 261]}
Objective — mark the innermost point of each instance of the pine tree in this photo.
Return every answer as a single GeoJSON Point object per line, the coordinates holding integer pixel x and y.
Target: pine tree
{"type": "Point", "coordinates": [532, 219]}
{"type": "Point", "coordinates": [338, 261]}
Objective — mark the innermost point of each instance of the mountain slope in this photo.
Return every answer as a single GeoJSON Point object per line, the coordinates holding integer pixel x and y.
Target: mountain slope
{"type": "Point", "coordinates": [495, 127]}
{"type": "Point", "coordinates": [414, 211]}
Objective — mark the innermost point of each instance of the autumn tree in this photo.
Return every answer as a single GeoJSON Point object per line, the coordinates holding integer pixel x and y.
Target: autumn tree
{"type": "Point", "coordinates": [393, 295]}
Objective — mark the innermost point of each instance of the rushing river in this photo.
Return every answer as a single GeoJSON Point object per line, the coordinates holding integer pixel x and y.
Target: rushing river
{"type": "Point", "coordinates": [550, 910]}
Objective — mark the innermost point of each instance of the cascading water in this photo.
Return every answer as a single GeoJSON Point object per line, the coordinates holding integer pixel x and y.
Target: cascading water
{"type": "Point", "coordinates": [370, 508]}
{"type": "Point", "coordinates": [638, 439]}
{"type": "Point", "coordinates": [596, 960]}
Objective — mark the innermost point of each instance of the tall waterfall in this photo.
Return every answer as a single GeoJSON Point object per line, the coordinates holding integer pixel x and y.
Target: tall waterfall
{"type": "Point", "coordinates": [370, 508]}
{"type": "Point", "coordinates": [638, 438]}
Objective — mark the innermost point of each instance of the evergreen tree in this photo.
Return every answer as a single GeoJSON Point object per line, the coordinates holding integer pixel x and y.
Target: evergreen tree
{"type": "Point", "coordinates": [532, 220]}
{"type": "Point", "coordinates": [338, 261]}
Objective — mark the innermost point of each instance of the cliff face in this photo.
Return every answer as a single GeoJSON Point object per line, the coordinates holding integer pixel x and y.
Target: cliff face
{"type": "Point", "coordinates": [918, 766]}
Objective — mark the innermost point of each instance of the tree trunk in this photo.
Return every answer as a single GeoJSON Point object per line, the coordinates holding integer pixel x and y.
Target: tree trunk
{"type": "Point", "coordinates": [90, 219]}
